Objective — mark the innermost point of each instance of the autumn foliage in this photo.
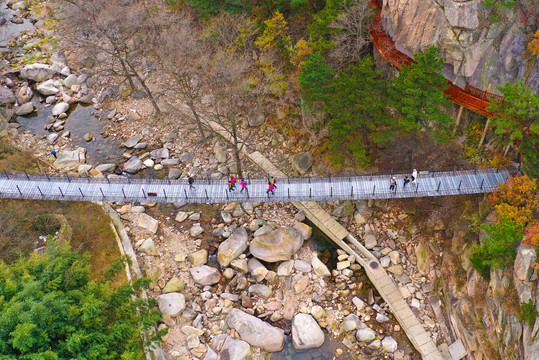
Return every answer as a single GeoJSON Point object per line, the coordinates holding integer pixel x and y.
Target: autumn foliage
{"type": "Point", "coordinates": [515, 200]}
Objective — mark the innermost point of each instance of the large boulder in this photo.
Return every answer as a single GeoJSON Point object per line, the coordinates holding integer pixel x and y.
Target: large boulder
{"type": "Point", "coordinates": [7, 97]}
{"type": "Point", "coordinates": [232, 247]}
{"type": "Point", "coordinates": [37, 72]}
{"type": "Point", "coordinates": [523, 264]}
{"type": "Point", "coordinates": [234, 349]}
{"type": "Point", "coordinates": [60, 108]}
{"type": "Point", "coordinates": [302, 162]}
{"type": "Point", "coordinates": [132, 165]}
{"type": "Point", "coordinates": [25, 109]}
{"type": "Point", "coordinates": [278, 245]}
{"type": "Point", "coordinates": [132, 141]}
{"type": "Point", "coordinates": [257, 119]}
{"type": "Point", "coordinates": [171, 303]}
{"type": "Point", "coordinates": [255, 331]}
{"type": "Point", "coordinates": [147, 222]}
{"type": "Point", "coordinates": [106, 168]}
{"type": "Point", "coordinates": [47, 88]}
{"type": "Point", "coordinates": [159, 154]}
{"type": "Point", "coordinates": [306, 333]}
{"type": "Point", "coordinates": [24, 94]}
{"type": "Point", "coordinates": [70, 160]}
{"type": "Point", "coordinates": [205, 275]}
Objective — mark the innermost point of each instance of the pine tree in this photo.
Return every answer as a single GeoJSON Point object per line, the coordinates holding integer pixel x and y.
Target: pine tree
{"type": "Point", "coordinates": [418, 94]}
{"type": "Point", "coordinates": [516, 121]}
{"type": "Point", "coordinates": [316, 79]}
{"type": "Point", "coordinates": [357, 111]}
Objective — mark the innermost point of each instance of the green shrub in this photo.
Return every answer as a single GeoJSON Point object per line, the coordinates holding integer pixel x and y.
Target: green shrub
{"type": "Point", "coordinates": [527, 312]}
{"type": "Point", "coordinates": [47, 224]}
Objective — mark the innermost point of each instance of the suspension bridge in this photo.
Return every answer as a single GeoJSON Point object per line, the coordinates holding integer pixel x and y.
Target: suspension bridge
{"type": "Point", "coordinates": [428, 184]}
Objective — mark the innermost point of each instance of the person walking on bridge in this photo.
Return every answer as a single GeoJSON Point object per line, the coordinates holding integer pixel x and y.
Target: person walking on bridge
{"type": "Point", "coordinates": [233, 182]}
{"type": "Point", "coordinates": [414, 176]}
{"type": "Point", "coordinates": [243, 184]}
{"type": "Point", "coordinates": [405, 181]}
{"type": "Point", "coordinates": [231, 186]}
{"type": "Point", "coordinates": [393, 184]}
{"type": "Point", "coordinates": [271, 187]}
{"type": "Point", "coordinates": [272, 181]}
{"type": "Point", "coordinates": [190, 181]}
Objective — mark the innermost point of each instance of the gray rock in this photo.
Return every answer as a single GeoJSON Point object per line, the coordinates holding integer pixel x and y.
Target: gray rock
{"type": "Point", "coordinates": [173, 285]}
{"type": "Point", "coordinates": [106, 168]}
{"type": "Point", "coordinates": [47, 88]}
{"type": "Point", "coordinates": [351, 322]}
{"type": "Point", "coordinates": [7, 97]}
{"type": "Point", "coordinates": [345, 208]}
{"type": "Point", "coordinates": [86, 99]}
{"type": "Point", "coordinates": [205, 275]}
{"type": "Point", "coordinates": [132, 141]}
{"type": "Point", "coordinates": [60, 108]}
{"type": "Point", "coordinates": [227, 217]}
{"type": "Point", "coordinates": [255, 331]}
{"type": "Point", "coordinates": [302, 266]}
{"type": "Point", "coordinates": [196, 230]}
{"type": "Point", "coordinates": [159, 154]}
{"type": "Point", "coordinates": [257, 269]}
{"type": "Point", "coordinates": [82, 78]}
{"type": "Point", "coordinates": [174, 173]}
{"type": "Point", "coordinates": [220, 155]}
{"type": "Point", "coordinates": [389, 344]}
{"type": "Point", "coordinates": [132, 165]}
{"type": "Point", "coordinates": [381, 318]}
{"type": "Point", "coordinates": [186, 158]}
{"type": "Point", "coordinates": [260, 290]}
{"type": "Point", "coordinates": [234, 349]}
{"type": "Point", "coordinates": [302, 162]}
{"type": "Point", "coordinates": [306, 333]}
{"type": "Point", "coordinates": [365, 334]}
{"type": "Point", "coordinates": [285, 268]}
{"type": "Point", "coordinates": [523, 261]}
{"type": "Point", "coordinates": [257, 119]}
{"type": "Point", "coordinates": [69, 160]}
{"type": "Point", "coordinates": [70, 81]}
{"type": "Point", "coordinates": [148, 247]}
{"type": "Point", "coordinates": [181, 216]}
{"type": "Point", "coordinates": [232, 247]}
{"type": "Point", "coordinates": [171, 303]}
{"type": "Point", "coordinates": [37, 72]}
{"type": "Point", "coordinates": [24, 94]}
{"type": "Point", "coordinates": [277, 245]}
{"type": "Point", "coordinates": [25, 109]}
{"type": "Point", "coordinates": [263, 230]}
{"type": "Point", "coordinates": [370, 239]}
{"type": "Point", "coordinates": [147, 222]}
{"type": "Point", "coordinates": [320, 268]}
{"type": "Point", "coordinates": [170, 162]}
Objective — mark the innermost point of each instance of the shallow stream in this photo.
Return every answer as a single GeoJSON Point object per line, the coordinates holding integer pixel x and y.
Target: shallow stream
{"type": "Point", "coordinates": [10, 30]}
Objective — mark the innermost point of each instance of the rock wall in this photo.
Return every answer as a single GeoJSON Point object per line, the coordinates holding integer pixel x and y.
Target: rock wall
{"type": "Point", "coordinates": [477, 50]}
{"type": "Point", "coordinates": [484, 314]}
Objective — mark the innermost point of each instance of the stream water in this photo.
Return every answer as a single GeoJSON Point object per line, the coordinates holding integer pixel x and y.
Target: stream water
{"type": "Point", "coordinates": [81, 120]}
{"type": "Point", "coordinates": [9, 30]}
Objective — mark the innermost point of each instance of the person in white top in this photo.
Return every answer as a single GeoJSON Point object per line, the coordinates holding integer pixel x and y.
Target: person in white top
{"type": "Point", "coordinates": [414, 176]}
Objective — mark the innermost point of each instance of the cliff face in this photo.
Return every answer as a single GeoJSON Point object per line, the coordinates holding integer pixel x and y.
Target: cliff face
{"type": "Point", "coordinates": [475, 48]}
{"type": "Point", "coordinates": [484, 314]}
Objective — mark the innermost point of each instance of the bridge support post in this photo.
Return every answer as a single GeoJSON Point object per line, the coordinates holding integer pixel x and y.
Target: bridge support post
{"type": "Point", "coordinates": [482, 181]}
{"type": "Point", "coordinates": [67, 176]}
{"type": "Point", "coordinates": [457, 122]}
{"type": "Point", "coordinates": [454, 168]}
{"type": "Point", "coordinates": [352, 192]}
{"type": "Point", "coordinates": [205, 191]}
{"type": "Point", "coordinates": [460, 182]}
{"type": "Point", "coordinates": [185, 192]}
{"type": "Point", "coordinates": [373, 189]}
{"type": "Point", "coordinates": [20, 192]}
{"type": "Point", "coordinates": [81, 192]}
{"type": "Point", "coordinates": [247, 191]}
{"type": "Point", "coordinates": [310, 193]}
{"type": "Point", "coordinates": [61, 192]}
{"type": "Point", "coordinates": [47, 175]}
{"type": "Point", "coordinates": [331, 192]}
{"type": "Point", "coordinates": [108, 180]}
{"type": "Point", "coordinates": [143, 193]}
{"type": "Point", "coordinates": [439, 184]}
{"type": "Point", "coordinates": [5, 173]}
{"type": "Point", "coordinates": [416, 187]}
{"type": "Point", "coordinates": [165, 193]}
{"type": "Point", "coordinates": [40, 191]}
{"type": "Point", "coordinates": [102, 194]}
{"type": "Point", "coordinates": [288, 192]}
{"type": "Point", "coordinates": [123, 192]}
{"type": "Point", "coordinates": [25, 173]}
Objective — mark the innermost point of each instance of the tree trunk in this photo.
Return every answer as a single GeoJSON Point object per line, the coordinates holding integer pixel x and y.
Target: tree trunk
{"type": "Point", "coordinates": [197, 118]}
{"type": "Point", "coordinates": [127, 74]}
{"type": "Point", "coordinates": [146, 89]}
{"type": "Point", "coordinates": [233, 123]}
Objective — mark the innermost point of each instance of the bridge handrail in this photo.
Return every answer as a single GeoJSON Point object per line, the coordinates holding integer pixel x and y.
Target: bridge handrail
{"type": "Point", "coordinates": [399, 174]}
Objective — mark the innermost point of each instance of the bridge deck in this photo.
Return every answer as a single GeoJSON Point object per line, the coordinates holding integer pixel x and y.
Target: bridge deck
{"type": "Point", "coordinates": [216, 191]}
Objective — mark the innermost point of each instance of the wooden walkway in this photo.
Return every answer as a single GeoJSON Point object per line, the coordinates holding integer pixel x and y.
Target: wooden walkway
{"type": "Point", "coordinates": [470, 97]}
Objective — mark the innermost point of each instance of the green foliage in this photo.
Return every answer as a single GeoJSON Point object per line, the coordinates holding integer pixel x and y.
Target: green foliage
{"type": "Point", "coordinates": [498, 4]}
{"type": "Point", "coordinates": [49, 309]}
{"type": "Point", "coordinates": [418, 93]}
{"type": "Point", "coordinates": [527, 312]}
{"type": "Point", "coordinates": [357, 110]}
{"type": "Point", "coordinates": [274, 34]}
{"type": "Point", "coordinates": [316, 79]}
{"type": "Point", "coordinates": [320, 32]}
{"type": "Point", "coordinates": [499, 246]}
{"type": "Point", "coordinates": [211, 7]}
{"type": "Point", "coordinates": [516, 121]}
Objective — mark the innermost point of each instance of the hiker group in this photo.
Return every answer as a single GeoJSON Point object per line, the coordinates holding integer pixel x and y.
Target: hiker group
{"type": "Point", "coordinates": [232, 184]}
{"type": "Point", "coordinates": [407, 179]}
